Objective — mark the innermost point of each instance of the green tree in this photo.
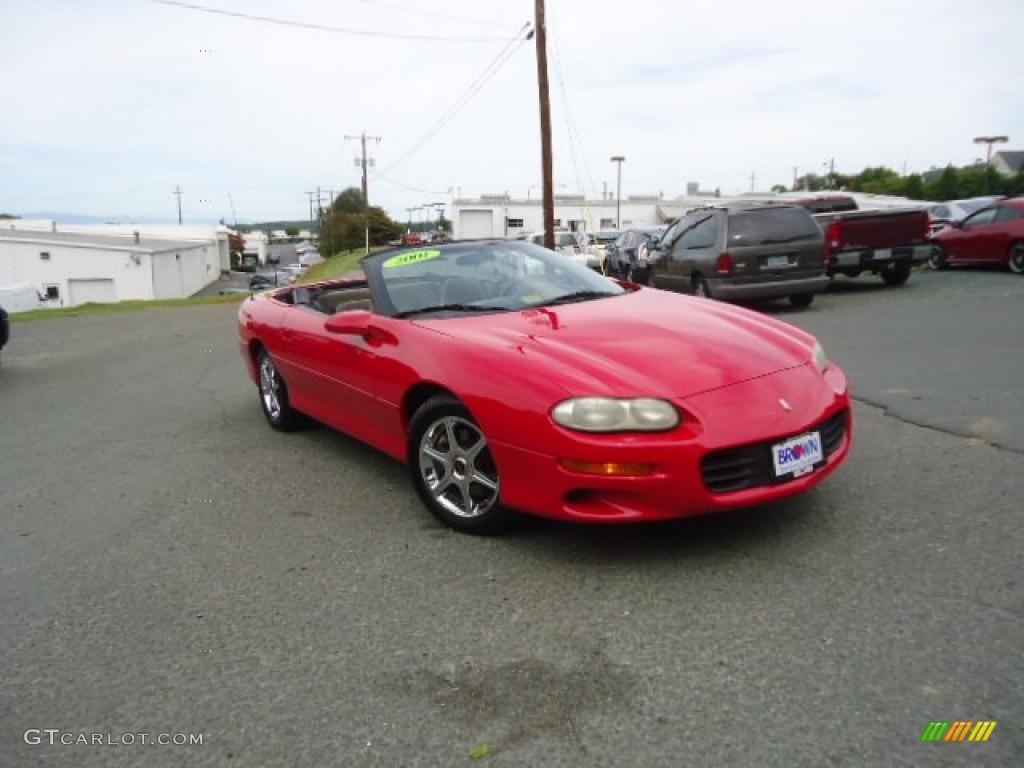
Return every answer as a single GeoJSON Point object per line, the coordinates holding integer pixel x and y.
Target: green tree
{"type": "Point", "coordinates": [291, 230]}
{"type": "Point", "coordinates": [913, 187]}
{"type": "Point", "coordinates": [343, 230]}
{"type": "Point", "coordinates": [349, 201]}
{"type": "Point", "coordinates": [946, 186]}
{"type": "Point", "coordinates": [877, 181]}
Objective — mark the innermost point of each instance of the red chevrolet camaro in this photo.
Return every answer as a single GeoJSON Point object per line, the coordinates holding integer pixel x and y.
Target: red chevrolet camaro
{"type": "Point", "coordinates": [511, 379]}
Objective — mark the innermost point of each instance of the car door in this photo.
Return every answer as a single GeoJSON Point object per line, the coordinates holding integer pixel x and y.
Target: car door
{"type": "Point", "coordinates": [1007, 229]}
{"type": "Point", "coordinates": [697, 249]}
{"type": "Point", "coordinates": [976, 238]}
{"type": "Point", "coordinates": [666, 272]}
{"type": "Point", "coordinates": [332, 375]}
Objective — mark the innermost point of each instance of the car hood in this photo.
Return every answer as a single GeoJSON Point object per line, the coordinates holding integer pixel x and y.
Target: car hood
{"type": "Point", "coordinates": [646, 342]}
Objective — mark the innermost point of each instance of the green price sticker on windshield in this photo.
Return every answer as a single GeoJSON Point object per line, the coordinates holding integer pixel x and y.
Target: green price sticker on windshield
{"type": "Point", "coordinates": [412, 257]}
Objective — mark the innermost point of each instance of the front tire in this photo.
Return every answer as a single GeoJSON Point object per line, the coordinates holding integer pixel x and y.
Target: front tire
{"type": "Point", "coordinates": [274, 396]}
{"type": "Point", "coordinates": [896, 274]}
{"type": "Point", "coordinates": [1016, 259]}
{"type": "Point", "coordinates": [453, 470]}
{"type": "Point", "coordinates": [938, 258]}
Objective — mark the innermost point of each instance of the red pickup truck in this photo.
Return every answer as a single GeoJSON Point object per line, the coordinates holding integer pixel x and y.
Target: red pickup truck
{"type": "Point", "coordinates": [886, 242]}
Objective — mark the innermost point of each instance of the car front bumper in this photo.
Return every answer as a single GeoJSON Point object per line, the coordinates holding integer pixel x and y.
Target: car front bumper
{"type": "Point", "coordinates": [736, 425]}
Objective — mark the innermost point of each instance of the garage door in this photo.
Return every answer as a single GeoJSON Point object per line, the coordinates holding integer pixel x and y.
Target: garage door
{"type": "Point", "coordinates": [84, 291]}
{"type": "Point", "coordinates": [476, 224]}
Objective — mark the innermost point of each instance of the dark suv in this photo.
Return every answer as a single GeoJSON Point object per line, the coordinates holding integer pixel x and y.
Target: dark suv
{"type": "Point", "coordinates": [743, 250]}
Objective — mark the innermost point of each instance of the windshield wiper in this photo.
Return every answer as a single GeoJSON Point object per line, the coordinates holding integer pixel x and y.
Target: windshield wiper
{"type": "Point", "coordinates": [451, 308]}
{"type": "Point", "coordinates": [572, 298]}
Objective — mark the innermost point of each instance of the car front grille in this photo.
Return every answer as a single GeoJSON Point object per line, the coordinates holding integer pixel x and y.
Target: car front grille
{"type": "Point", "coordinates": [750, 466]}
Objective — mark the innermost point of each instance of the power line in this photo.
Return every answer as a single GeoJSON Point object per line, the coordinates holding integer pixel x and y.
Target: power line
{"type": "Point", "coordinates": [325, 27]}
{"type": "Point", "coordinates": [489, 71]}
{"type": "Point", "coordinates": [397, 183]}
{"type": "Point", "coordinates": [421, 12]}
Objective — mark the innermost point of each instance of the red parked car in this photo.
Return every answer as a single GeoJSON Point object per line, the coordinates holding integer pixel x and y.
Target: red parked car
{"type": "Point", "coordinates": [993, 235]}
{"type": "Point", "coordinates": [510, 378]}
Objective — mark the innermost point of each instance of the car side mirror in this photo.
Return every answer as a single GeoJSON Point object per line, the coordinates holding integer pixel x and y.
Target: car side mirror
{"type": "Point", "coordinates": [359, 322]}
{"type": "Point", "coordinates": [354, 322]}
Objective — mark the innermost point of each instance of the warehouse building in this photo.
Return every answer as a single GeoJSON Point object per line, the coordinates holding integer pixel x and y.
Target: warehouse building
{"type": "Point", "coordinates": [504, 216]}
{"type": "Point", "coordinates": [72, 268]}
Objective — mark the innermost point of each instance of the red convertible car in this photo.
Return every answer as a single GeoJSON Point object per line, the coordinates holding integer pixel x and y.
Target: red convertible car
{"type": "Point", "coordinates": [993, 235]}
{"type": "Point", "coordinates": [511, 379]}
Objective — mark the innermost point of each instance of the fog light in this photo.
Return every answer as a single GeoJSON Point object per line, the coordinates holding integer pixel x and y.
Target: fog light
{"type": "Point", "coordinates": [607, 469]}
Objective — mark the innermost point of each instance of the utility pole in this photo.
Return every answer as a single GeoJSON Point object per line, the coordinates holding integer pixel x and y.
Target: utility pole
{"type": "Point", "coordinates": [177, 191]}
{"type": "Point", "coordinates": [795, 177]}
{"type": "Point", "coordinates": [310, 195]}
{"type": "Point", "coordinates": [363, 164]}
{"type": "Point", "coordinates": [319, 218]}
{"type": "Point", "coordinates": [753, 180]}
{"type": "Point", "coordinates": [540, 29]}
{"type": "Point", "coordinates": [619, 160]}
{"type": "Point", "coordinates": [330, 227]}
{"type": "Point", "coordinates": [439, 207]}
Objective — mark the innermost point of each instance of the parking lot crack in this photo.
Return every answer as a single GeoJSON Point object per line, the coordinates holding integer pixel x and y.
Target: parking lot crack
{"type": "Point", "coordinates": [952, 432]}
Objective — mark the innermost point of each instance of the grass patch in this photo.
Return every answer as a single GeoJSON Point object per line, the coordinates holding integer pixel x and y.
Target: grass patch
{"type": "Point", "coordinates": [125, 306]}
{"type": "Point", "coordinates": [337, 265]}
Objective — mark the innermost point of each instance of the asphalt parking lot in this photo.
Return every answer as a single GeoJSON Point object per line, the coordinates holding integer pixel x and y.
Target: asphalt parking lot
{"type": "Point", "coordinates": [172, 566]}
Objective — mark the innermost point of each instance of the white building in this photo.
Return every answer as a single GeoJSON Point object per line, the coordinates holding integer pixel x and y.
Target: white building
{"type": "Point", "coordinates": [503, 216]}
{"type": "Point", "coordinates": [69, 268]}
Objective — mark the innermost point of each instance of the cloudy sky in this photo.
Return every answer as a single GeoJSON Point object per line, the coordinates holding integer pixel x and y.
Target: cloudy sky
{"type": "Point", "coordinates": [107, 105]}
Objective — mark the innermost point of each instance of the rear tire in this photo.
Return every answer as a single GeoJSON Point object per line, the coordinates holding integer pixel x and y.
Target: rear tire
{"type": "Point", "coordinates": [274, 397]}
{"type": "Point", "coordinates": [801, 300]}
{"type": "Point", "coordinates": [1016, 259]}
{"type": "Point", "coordinates": [701, 287]}
{"type": "Point", "coordinates": [638, 275]}
{"type": "Point", "coordinates": [896, 274]}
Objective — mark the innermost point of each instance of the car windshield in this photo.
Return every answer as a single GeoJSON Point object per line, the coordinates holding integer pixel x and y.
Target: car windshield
{"type": "Point", "coordinates": [476, 277]}
{"type": "Point", "coordinates": [970, 206]}
{"type": "Point", "coordinates": [772, 225]}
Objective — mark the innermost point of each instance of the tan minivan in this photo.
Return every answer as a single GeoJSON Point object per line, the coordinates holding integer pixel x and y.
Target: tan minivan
{"type": "Point", "coordinates": [737, 251]}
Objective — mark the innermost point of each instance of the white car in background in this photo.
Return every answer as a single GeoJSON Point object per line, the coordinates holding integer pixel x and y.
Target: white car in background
{"type": "Point", "coordinates": [578, 246]}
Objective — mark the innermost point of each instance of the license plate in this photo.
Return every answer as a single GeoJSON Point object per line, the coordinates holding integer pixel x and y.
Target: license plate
{"type": "Point", "coordinates": [776, 262]}
{"type": "Point", "coordinates": [797, 456]}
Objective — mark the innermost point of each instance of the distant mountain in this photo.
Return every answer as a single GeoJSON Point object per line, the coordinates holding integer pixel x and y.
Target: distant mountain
{"type": "Point", "coordinates": [83, 218]}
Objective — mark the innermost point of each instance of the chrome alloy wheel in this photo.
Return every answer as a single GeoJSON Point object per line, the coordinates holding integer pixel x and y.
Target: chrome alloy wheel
{"type": "Point", "coordinates": [270, 388]}
{"type": "Point", "coordinates": [457, 468]}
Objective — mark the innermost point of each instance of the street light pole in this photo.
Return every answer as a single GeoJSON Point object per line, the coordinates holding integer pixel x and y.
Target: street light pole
{"type": "Point", "coordinates": [619, 160]}
{"type": "Point", "coordinates": [989, 140]}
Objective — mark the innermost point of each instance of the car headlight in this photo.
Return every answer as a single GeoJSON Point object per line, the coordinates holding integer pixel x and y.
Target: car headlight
{"type": "Point", "coordinates": [607, 414]}
{"type": "Point", "coordinates": [819, 357]}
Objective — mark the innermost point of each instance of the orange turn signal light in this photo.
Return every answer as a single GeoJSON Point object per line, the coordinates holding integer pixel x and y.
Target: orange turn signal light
{"type": "Point", "coordinates": [607, 469]}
